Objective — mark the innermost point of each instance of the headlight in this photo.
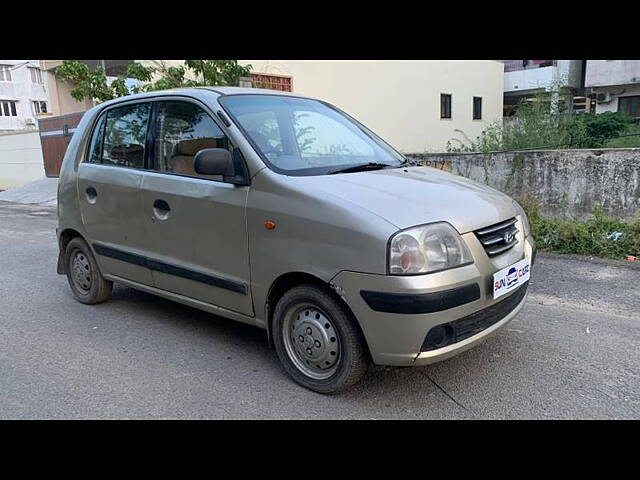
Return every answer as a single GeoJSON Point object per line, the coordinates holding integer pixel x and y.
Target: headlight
{"type": "Point", "coordinates": [523, 218]}
{"type": "Point", "coordinates": [427, 249]}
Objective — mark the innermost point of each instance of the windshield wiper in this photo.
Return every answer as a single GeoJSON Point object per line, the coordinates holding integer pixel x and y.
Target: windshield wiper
{"type": "Point", "coordinates": [409, 163]}
{"type": "Point", "coordinates": [360, 168]}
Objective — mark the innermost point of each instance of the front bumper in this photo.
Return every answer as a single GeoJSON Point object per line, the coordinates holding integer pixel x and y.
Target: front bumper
{"type": "Point", "coordinates": [396, 333]}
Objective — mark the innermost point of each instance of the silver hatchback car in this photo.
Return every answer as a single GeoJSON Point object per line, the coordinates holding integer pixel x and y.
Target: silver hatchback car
{"type": "Point", "coordinates": [285, 213]}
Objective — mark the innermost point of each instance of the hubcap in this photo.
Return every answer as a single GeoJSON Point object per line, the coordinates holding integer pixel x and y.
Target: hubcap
{"type": "Point", "coordinates": [81, 271]}
{"type": "Point", "coordinates": [311, 341]}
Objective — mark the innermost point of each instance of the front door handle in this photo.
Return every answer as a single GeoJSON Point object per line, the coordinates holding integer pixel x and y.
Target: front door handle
{"type": "Point", "coordinates": [161, 209]}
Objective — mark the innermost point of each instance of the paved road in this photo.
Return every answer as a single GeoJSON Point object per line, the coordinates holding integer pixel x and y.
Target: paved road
{"type": "Point", "coordinates": [573, 352]}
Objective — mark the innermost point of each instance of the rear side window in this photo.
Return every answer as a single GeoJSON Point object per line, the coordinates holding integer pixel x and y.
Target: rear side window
{"type": "Point", "coordinates": [182, 130]}
{"type": "Point", "coordinates": [95, 155]}
{"type": "Point", "coordinates": [124, 136]}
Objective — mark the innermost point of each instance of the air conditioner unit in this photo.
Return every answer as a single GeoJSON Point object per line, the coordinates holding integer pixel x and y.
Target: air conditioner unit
{"type": "Point", "coordinates": [603, 97]}
{"type": "Point", "coordinates": [29, 121]}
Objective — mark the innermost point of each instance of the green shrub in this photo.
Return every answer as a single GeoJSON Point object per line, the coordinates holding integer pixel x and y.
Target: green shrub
{"type": "Point", "coordinates": [630, 138]}
{"type": "Point", "coordinates": [598, 235]}
{"type": "Point", "coordinates": [590, 130]}
{"type": "Point", "coordinates": [537, 125]}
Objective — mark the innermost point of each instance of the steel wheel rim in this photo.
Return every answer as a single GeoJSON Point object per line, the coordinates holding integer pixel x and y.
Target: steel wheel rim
{"type": "Point", "coordinates": [81, 271]}
{"type": "Point", "coordinates": [311, 341]}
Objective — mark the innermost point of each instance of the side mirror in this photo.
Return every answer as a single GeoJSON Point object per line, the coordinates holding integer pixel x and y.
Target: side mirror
{"type": "Point", "coordinates": [218, 161]}
{"type": "Point", "coordinates": [213, 161]}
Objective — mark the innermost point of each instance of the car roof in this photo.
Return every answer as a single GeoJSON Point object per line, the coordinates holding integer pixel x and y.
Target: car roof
{"type": "Point", "coordinates": [197, 92]}
{"type": "Point", "coordinates": [246, 91]}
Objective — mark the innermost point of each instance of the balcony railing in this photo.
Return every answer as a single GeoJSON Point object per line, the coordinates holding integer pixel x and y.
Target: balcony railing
{"type": "Point", "coordinates": [517, 65]}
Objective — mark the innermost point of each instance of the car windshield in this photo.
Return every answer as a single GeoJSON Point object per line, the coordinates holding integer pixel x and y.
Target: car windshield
{"type": "Point", "coordinates": [300, 136]}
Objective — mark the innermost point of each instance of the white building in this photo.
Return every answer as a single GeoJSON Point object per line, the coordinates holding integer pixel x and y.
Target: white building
{"type": "Point", "coordinates": [615, 85]}
{"type": "Point", "coordinates": [23, 95]}
{"type": "Point", "coordinates": [415, 105]}
{"type": "Point", "coordinates": [525, 78]}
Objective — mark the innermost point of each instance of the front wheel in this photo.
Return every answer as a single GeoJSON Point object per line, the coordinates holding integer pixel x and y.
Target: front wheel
{"type": "Point", "coordinates": [317, 341]}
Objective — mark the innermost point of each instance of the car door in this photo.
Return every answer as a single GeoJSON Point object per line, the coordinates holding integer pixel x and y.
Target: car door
{"type": "Point", "coordinates": [109, 182]}
{"type": "Point", "coordinates": [196, 225]}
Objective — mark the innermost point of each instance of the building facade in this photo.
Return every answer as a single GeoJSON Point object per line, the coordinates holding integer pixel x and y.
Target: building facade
{"type": "Point", "coordinates": [61, 101]}
{"type": "Point", "coordinates": [614, 85]}
{"type": "Point", "coordinates": [23, 95]}
{"type": "Point", "coordinates": [524, 79]}
{"type": "Point", "coordinates": [417, 106]}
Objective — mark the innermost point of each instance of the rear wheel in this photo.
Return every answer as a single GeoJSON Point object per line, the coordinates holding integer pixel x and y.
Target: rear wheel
{"type": "Point", "coordinates": [83, 274]}
{"type": "Point", "coordinates": [317, 340]}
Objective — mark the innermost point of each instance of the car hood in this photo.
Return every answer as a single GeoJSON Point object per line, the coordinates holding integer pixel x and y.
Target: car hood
{"type": "Point", "coordinates": [416, 195]}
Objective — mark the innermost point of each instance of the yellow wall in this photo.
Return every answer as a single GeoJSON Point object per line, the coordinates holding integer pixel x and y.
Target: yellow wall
{"type": "Point", "coordinates": [398, 99]}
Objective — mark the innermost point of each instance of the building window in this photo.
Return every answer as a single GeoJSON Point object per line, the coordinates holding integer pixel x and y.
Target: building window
{"type": "Point", "coordinates": [36, 75]}
{"type": "Point", "coordinates": [5, 73]}
{"type": "Point", "coordinates": [272, 82]}
{"type": "Point", "coordinates": [630, 105]}
{"type": "Point", "coordinates": [477, 108]}
{"type": "Point", "coordinates": [445, 105]}
{"type": "Point", "coordinates": [39, 107]}
{"type": "Point", "coordinates": [8, 108]}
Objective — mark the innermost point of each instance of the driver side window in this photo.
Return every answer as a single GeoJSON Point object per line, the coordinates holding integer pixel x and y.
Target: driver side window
{"type": "Point", "coordinates": [182, 130]}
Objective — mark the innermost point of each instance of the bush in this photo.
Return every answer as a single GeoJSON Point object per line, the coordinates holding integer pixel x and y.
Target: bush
{"type": "Point", "coordinates": [630, 138]}
{"type": "Point", "coordinates": [599, 235]}
{"type": "Point", "coordinates": [590, 130]}
{"type": "Point", "coordinates": [536, 125]}
{"type": "Point", "coordinates": [533, 126]}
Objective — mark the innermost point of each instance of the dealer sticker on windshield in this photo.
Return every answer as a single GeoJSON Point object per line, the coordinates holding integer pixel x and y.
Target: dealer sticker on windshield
{"type": "Point", "coordinates": [510, 278]}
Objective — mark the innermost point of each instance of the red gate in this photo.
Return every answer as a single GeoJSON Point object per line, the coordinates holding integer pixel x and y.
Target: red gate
{"type": "Point", "coordinates": [55, 135]}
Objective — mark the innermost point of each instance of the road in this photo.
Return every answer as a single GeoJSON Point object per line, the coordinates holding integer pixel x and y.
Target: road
{"type": "Point", "coordinates": [573, 352]}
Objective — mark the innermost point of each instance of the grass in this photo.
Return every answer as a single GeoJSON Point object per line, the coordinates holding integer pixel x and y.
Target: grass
{"type": "Point", "coordinates": [630, 138]}
{"type": "Point", "coordinates": [597, 236]}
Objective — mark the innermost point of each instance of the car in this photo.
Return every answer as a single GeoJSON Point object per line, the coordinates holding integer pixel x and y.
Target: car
{"type": "Point", "coordinates": [283, 212]}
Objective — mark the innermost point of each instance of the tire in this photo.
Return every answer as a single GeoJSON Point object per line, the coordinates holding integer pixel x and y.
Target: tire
{"type": "Point", "coordinates": [325, 350]}
{"type": "Point", "coordinates": [83, 274]}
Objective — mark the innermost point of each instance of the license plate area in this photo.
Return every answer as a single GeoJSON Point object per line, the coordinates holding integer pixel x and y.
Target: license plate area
{"type": "Point", "coordinates": [510, 278]}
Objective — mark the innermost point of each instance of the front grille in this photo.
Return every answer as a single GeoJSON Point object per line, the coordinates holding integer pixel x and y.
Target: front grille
{"type": "Point", "coordinates": [456, 331]}
{"type": "Point", "coordinates": [498, 238]}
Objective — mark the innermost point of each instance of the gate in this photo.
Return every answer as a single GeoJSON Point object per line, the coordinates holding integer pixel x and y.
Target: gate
{"type": "Point", "coordinates": [55, 135]}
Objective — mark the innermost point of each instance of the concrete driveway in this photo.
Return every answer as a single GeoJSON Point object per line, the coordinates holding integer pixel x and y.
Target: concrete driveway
{"type": "Point", "coordinates": [573, 352]}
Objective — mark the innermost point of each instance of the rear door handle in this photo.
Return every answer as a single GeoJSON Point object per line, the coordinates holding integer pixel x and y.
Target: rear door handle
{"type": "Point", "coordinates": [161, 209]}
{"type": "Point", "coordinates": [92, 194]}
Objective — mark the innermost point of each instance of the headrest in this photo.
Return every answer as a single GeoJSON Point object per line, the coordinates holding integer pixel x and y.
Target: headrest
{"type": "Point", "coordinates": [191, 147]}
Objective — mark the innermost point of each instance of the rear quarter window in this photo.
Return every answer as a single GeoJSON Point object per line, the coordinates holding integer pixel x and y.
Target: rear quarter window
{"type": "Point", "coordinates": [95, 150]}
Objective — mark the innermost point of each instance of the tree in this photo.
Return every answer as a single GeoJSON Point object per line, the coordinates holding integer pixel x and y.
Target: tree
{"type": "Point", "coordinates": [93, 84]}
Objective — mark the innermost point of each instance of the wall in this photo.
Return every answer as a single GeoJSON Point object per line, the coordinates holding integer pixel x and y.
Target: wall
{"type": "Point", "coordinates": [24, 92]}
{"type": "Point", "coordinates": [400, 100]}
{"type": "Point", "coordinates": [568, 183]}
{"type": "Point", "coordinates": [20, 159]}
{"type": "Point", "coordinates": [601, 73]}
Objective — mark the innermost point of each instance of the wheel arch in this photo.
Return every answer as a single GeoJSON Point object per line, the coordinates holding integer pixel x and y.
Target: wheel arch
{"type": "Point", "coordinates": [286, 282]}
{"type": "Point", "coordinates": [64, 238]}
